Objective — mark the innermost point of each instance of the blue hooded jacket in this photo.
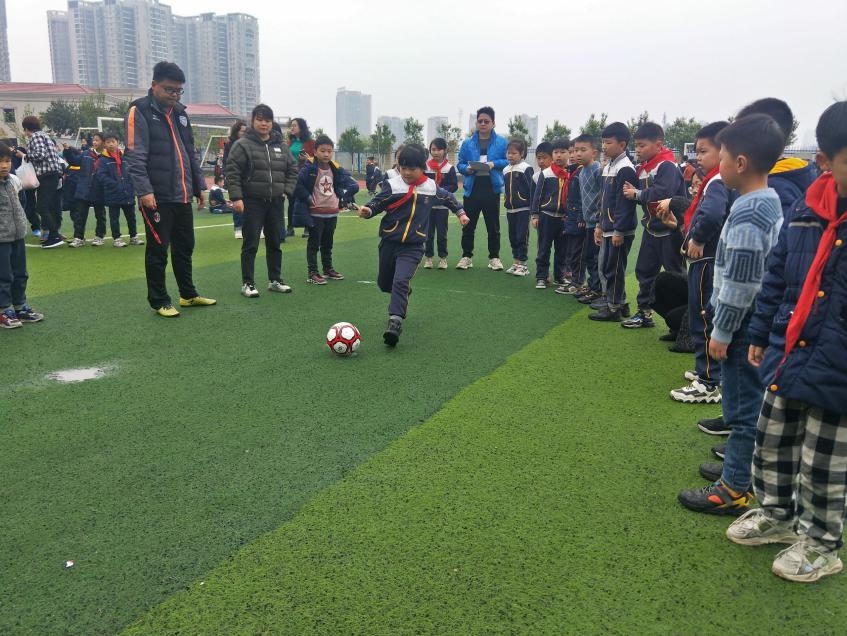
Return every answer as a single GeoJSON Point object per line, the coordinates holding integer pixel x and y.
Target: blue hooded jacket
{"type": "Point", "coordinates": [496, 154]}
{"type": "Point", "coordinates": [791, 177]}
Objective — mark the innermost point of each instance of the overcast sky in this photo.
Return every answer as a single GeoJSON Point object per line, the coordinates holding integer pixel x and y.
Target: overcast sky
{"type": "Point", "coordinates": [556, 59]}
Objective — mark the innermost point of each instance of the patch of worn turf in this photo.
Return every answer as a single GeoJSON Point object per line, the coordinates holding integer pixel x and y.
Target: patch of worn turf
{"type": "Point", "coordinates": [540, 500]}
{"type": "Point", "coordinates": [212, 429]}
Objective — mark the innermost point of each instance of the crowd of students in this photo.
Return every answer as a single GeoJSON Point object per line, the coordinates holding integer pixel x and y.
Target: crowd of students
{"type": "Point", "coordinates": [754, 243]}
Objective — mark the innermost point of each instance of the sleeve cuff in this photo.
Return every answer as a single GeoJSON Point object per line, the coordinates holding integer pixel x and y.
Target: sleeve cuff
{"type": "Point", "coordinates": [721, 335]}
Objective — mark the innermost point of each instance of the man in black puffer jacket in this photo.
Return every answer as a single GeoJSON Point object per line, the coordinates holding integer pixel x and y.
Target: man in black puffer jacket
{"type": "Point", "coordinates": [260, 171]}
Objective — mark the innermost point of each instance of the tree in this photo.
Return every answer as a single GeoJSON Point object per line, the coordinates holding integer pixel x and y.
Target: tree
{"type": "Point", "coordinates": [350, 141]}
{"type": "Point", "coordinates": [452, 135]}
{"type": "Point", "coordinates": [634, 123]}
{"type": "Point", "coordinates": [792, 138]}
{"type": "Point", "coordinates": [557, 131]}
{"type": "Point", "coordinates": [62, 117]}
{"type": "Point", "coordinates": [413, 130]}
{"type": "Point", "coordinates": [594, 126]}
{"type": "Point", "coordinates": [381, 142]}
{"type": "Point", "coordinates": [680, 132]}
{"type": "Point", "coordinates": [517, 128]}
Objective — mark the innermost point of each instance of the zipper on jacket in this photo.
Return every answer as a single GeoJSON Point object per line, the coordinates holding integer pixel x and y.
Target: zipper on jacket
{"type": "Point", "coordinates": [270, 171]}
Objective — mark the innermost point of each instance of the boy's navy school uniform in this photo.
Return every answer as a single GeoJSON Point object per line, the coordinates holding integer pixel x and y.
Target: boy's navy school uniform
{"type": "Point", "coordinates": [549, 205]}
{"type": "Point", "coordinates": [88, 194]}
{"type": "Point", "coordinates": [373, 175]}
{"type": "Point", "coordinates": [403, 232]}
{"type": "Point", "coordinates": [519, 186]}
{"type": "Point", "coordinates": [323, 224]}
{"type": "Point", "coordinates": [617, 218]}
{"type": "Point", "coordinates": [658, 179]}
{"type": "Point", "coordinates": [805, 404]}
{"type": "Point", "coordinates": [114, 180]}
{"type": "Point", "coordinates": [590, 179]}
{"type": "Point", "coordinates": [444, 175]}
{"type": "Point", "coordinates": [704, 227]}
{"type": "Point", "coordinates": [574, 230]}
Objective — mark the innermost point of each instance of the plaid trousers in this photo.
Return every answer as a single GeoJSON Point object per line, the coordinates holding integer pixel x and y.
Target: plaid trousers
{"type": "Point", "coordinates": [800, 467]}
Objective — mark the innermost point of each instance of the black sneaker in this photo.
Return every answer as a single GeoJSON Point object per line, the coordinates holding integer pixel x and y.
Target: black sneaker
{"type": "Point", "coordinates": [590, 297]}
{"type": "Point", "coordinates": [714, 426]}
{"type": "Point", "coordinates": [668, 337]}
{"type": "Point", "coordinates": [51, 243]}
{"type": "Point", "coordinates": [715, 499]}
{"type": "Point", "coordinates": [26, 314]}
{"type": "Point", "coordinates": [719, 450]}
{"type": "Point", "coordinates": [392, 333]}
{"type": "Point", "coordinates": [625, 312]}
{"type": "Point", "coordinates": [599, 303]}
{"type": "Point", "coordinates": [606, 315]}
{"type": "Point", "coordinates": [638, 321]}
{"type": "Point", "coordinates": [711, 471]}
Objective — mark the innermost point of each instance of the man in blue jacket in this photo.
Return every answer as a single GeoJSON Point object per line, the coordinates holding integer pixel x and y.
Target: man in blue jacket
{"type": "Point", "coordinates": [483, 186]}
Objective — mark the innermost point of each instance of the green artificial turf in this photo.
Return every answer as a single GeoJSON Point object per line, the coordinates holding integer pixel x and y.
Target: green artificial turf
{"type": "Point", "coordinates": [540, 500]}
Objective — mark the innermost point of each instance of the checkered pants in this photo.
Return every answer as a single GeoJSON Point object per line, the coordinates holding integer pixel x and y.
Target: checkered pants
{"type": "Point", "coordinates": [800, 467]}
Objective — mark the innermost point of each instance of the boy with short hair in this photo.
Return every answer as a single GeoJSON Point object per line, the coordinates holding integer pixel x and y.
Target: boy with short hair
{"type": "Point", "coordinates": [88, 194]}
{"type": "Point", "coordinates": [373, 175]}
{"type": "Point", "coordinates": [616, 228]}
{"type": "Point", "coordinates": [326, 187]}
{"type": "Point", "coordinates": [549, 203]}
{"type": "Point", "coordinates": [659, 178]}
{"type": "Point", "coordinates": [116, 185]}
{"type": "Point", "coordinates": [519, 185]}
{"type": "Point", "coordinates": [14, 310]}
{"type": "Point", "coordinates": [703, 219]}
{"type": "Point", "coordinates": [574, 229]}
{"type": "Point", "coordinates": [543, 157]}
{"type": "Point", "coordinates": [217, 199]}
{"type": "Point", "coordinates": [590, 183]}
{"type": "Point", "coordinates": [749, 148]}
{"type": "Point", "coordinates": [797, 336]}
{"type": "Point", "coordinates": [407, 201]}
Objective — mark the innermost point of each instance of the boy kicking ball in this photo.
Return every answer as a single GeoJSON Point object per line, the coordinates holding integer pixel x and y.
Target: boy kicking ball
{"type": "Point", "coordinates": [407, 200]}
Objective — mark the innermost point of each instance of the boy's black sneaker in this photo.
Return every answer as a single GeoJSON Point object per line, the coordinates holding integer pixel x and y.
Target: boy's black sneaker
{"type": "Point", "coordinates": [625, 312]}
{"type": "Point", "coordinates": [714, 426]}
{"type": "Point", "coordinates": [392, 333]}
{"type": "Point", "coordinates": [715, 499]}
{"type": "Point", "coordinates": [26, 314]}
{"type": "Point", "coordinates": [711, 471]}
{"type": "Point", "coordinates": [599, 303]}
{"type": "Point", "coordinates": [51, 243]}
{"type": "Point", "coordinates": [638, 321]}
{"type": "Point", "coordinates": [606, 315]}
{"type": "Point", "coordinates": [719, 451]}
{"type": "Point", "coordinates": [668, 337]}
{"type": "Point", "coordinates": [332, 274]}
{"type": "Point", "coordinates": [590, 297]}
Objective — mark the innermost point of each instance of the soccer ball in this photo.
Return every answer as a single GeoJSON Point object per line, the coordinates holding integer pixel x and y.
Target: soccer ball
{"type": "Point", "coordinates": [343, 338]}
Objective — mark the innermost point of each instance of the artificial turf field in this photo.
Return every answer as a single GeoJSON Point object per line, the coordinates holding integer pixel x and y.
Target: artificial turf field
{"type": "Point", "coordinates": [510, 468]}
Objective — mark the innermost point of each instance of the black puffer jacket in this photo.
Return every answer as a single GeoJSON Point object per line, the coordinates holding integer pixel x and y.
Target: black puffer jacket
{"type": "Point", "coordinates": [257, 169]}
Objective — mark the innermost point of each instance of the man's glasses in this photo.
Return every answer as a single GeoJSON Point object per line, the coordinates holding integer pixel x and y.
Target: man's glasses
{"type": "Point", "coordinates": [173, 91]}
{"type": "Point", "coordinates": [484, 122]}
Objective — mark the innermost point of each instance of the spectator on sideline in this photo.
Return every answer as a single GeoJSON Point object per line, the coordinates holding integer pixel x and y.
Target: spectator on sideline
{"type": "Point", "coordinates": [42, 153]}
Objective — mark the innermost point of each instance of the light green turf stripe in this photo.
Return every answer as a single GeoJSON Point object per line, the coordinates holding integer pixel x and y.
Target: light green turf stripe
{"type": "Point", "coordinates": [541, 499]}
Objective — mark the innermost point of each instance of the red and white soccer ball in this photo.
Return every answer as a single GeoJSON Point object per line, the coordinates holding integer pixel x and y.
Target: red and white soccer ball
{"type": "Point", "coordinates": [343, 338]}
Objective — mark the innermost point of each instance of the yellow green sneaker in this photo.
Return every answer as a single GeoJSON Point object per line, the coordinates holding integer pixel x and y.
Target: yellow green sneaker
{"type": "Point", "coordinates": [197, 301]}
{"type": "Point", "coordinates": [168, 311]}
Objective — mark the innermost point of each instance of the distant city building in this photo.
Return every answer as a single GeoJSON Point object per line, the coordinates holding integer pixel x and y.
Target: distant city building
{"type": "Point", "coordinates": [432, 126]}
{"type": "Point", "coordinates": [352, 110]}
{"type": "Point", "coordinates": [116, 43]}
{"type": "Point", "coordinates": [397, 125]}
{"type": "Point", "coordinates": [5, 72]}
{"type": "Point", "coordinates": [531, 124]}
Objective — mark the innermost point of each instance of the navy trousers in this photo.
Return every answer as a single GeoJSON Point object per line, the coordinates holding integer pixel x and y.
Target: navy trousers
{"type": "Point", "coordinates": [13, 274]}
{"type": "Point", "coordinates": [614, 270]}
{"type": "Point", "coordinates": [700, 314]}
{"type": "Point", "coordinates": [437, 226]}
{"type": "Point", "coordinates": [518, 223]}
{"type": "Point", "coordinates": [551, 235]}
{"type": "Point", "coordinates": [397, 265]}
{"type": "Point", "coordinates": [115, 219]}
{"type": "Point", "coordinates": [655, 253]}
{"type": "Point", "coordinates": [574, 259]}
{"type": "Point", "coordinates": [80, 218]}
{"type": "Point", "coordinates": [590, 254]}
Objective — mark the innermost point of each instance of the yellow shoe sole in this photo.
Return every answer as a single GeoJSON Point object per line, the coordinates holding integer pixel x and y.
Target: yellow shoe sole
{"type": "Point", "coordinates": [197, 301]}
{"type": "Point", "coordinates": [167, 312]}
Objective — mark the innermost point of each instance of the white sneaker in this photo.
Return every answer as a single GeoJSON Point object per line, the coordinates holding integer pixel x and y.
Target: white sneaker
{"type": "Point", "coordinates": [97, 241]}
{"type": "Point", "coordinates": [278, 286]}
{"type": "Point", "coordinates": [464, 263]}
{"type": "Point", "coordinates": [134, 240]}
{"type": "Point", "coordinates": [119, 242]}
{"type": "Point", "coordinates": [495, 264]}
{"type": "Point", "coordinates": [511, 270]}
{"type": "Point", "coordinates": [77, 242]}
{"type": "Point", "coordinates": [806, 562]}
{"type": "Point", "coordinates": [427, 263]}
{"type": "Point", "coordinates": [442, 263]}
{"type": "Point", "coordinates": [248, 290]}
{"type": "Point", "coordinates": [691, 376]}
{"type": "Point", "coordinates": [697, 393]}
{"type": "Point", "coordinates": [754, 527]}
{"type": "Point", "coordinates": [238, 234]}
{"type": "Point", "coordinates": [522, 270]}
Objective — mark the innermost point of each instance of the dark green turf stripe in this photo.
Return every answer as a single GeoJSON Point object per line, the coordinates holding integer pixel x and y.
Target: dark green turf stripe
{"type": "Point", "coordinates": [540, 500]}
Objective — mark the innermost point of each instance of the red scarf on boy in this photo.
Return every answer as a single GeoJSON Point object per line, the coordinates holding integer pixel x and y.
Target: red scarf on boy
{"type": "Point", "coordinates": [436, 167]}
{"type": "Point", "coordinates": [664, 154]}
{"type": "Point", "coordinates": [423, 178]}
{"type": "Point", "coordinates": [822, 197]}
{"type": "Point", "coordinates": [564, 176]}
{"type": "Point", "coordinates": [118, 159]}
{"type": "Point", "coordinates": [689, 212]}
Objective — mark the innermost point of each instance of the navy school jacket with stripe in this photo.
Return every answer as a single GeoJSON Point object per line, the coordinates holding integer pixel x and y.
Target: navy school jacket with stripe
{"type": "Point", "coordinates": [550, 195]}
{"type": "Point", "coordinates": [519, 186]}
{"type": "Point", "coordinates": [574, 223]}
{"type": "Point", "coordinates": [617, 213]}
{"type": "Point", "coordinates": [449, 179]}
{"type": "Point", "coordinates": [662, 182]}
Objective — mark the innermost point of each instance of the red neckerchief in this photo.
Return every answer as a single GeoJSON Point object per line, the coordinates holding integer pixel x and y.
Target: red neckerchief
{"type": "Point", "coordinates": [664, 154]}
{"type": "Point", "coordinates": [117, 158]}
{"type": "Point", "coordinates": [409, 194]}
{"type": "Point", "coordinates": [689, 212]}
{"type": "Point", "coordinates": [822, 197]}
{"type": "Point", "coordinates": [564, 176]}
{"type": "Point", "coordinates": [432, 163]}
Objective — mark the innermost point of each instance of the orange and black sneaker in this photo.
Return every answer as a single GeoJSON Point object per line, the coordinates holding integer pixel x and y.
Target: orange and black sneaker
{"type": "Point", "coordinates": [716, 499]}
